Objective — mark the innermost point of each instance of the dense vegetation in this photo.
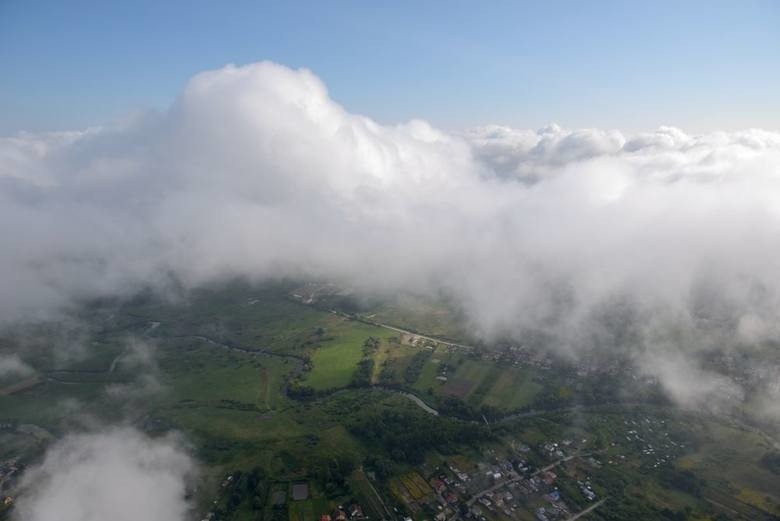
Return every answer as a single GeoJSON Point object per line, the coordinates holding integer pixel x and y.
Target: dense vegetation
{"type": "Point", "coordinates": [405, 437]}
{"type": "Point", "coordinates": [771, 461]}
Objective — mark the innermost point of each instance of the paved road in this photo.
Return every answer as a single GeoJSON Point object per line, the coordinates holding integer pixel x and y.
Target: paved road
{"type": "Point", "coordinates": [418, 335]}
{"type": "Point", "coordinates": [400, 330]}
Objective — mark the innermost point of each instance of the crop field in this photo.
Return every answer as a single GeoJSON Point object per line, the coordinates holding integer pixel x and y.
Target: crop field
{"type": "Point", "coordinates": [415, 485]}
{"type": "Point", "coordinates": [398, 490]}
{"type": "Point", "coordinates": [512, 389]}
{"type": "Point", "coordinates": [478, 382]}
{"type": "Point", "coordinates": [467, 378]}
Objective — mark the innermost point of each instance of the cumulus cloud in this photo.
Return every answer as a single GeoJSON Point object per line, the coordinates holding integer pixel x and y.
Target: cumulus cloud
{"type": "Point", "coordinates": [254, 171]}
{"type": "Point", "coordinates": [119, 474]}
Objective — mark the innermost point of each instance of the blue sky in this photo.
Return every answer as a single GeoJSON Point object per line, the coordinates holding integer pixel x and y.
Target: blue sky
{"type": "Point", "coordinates": [630, 65]}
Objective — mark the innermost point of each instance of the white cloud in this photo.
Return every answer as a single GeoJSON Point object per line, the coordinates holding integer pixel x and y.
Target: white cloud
{"type": "Point", "coordinates": [255, 171]}
{"type": "Point", "coordinates": [119, 474]}
{"type": "Point", "coordinates": [691, 386]}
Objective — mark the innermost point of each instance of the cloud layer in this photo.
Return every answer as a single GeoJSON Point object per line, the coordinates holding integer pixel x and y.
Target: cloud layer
{"type": "Point", "coordinates": [118, 474]}
{"type": "Point", "coordinates": [255, 171]}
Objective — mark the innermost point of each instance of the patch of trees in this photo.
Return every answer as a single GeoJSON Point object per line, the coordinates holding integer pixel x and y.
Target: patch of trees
{"type": "Point", "coordinates": [365, 368]}
{"type": "Point", "coordinates": [613, 481]}
{"type": "Point", "coordinates": [405, 437]}
{"type": "Point", "coordinates": [256, 484]}
{"type": "Point", "coordinates": [381, 466]}
{"type": "Point", "coordinates": [362, 375]}
{"type": "Point", "coordinates": [280, 512]}
{"type": "Point", "coordinates": [321, 334]}
{"type": "Point", "coordinates": [387, 374]}
{"type": "Point", "coordinates": [236, 405]}
{"type": "Point", "coordinates": [453, 406]}
{"type": "Point", "coordinates": [249, 487]}
{"type": "Point", "coordinates": [771, 462]}
{"type": "Point", "coordinates": [370, 345]}
{"type": "Point", "coordinates": [333, 473]}
{"type": "Point", "coordinates": [572, 494]}
{"type": "Point", "coordinates": [296, 390]}
{"type": "Point", "coordinates": [684, 480]}
{"type": "Point", "coordinates": [415, 366]}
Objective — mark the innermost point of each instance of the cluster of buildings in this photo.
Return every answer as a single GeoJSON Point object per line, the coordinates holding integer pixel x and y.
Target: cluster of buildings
{"type": "Point", "coordinates": [504, 488]}
{"type": "Point", "coordinates": [520, 495]}
{"type": "Point", "coordinates": [522, 356]}
{"type": "Point", "coordinates": [652, 440]}
{"type": "Point", "coordinates": [352, 512]}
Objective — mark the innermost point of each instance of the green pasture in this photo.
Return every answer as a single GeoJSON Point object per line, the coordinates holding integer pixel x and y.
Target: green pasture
{"type": "Point", "coordinates": [334, 362]}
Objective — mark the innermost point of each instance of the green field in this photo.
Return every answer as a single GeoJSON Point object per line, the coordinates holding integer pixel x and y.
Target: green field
{"type": "Point", "coordinates": [335, 361]}
{"type": "Point", "coordinates": [468, 377]}
{"type": "Point", "coordinates": [234, 410]}
{"type": "Point", "coordinates": [225, 375]}
{"type": "Point", "coordinates": [512, 390]}
{"type": "Point", "coordinates": [427, 380]}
